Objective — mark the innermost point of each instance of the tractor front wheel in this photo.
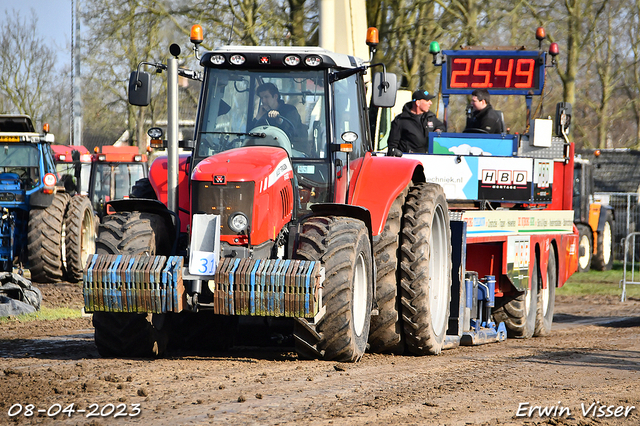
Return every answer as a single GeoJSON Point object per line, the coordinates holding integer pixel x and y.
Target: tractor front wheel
{"type": "Point", "coordinates": [603, 260]}
{"type": "Point", "coordinates": [342, 245]}
{"type": "Point", "coordinates": [132, 334]}
{"type": "Point", "coordinates": [80, 236]}
{"type": "Point", "coordinates": [44, 240]}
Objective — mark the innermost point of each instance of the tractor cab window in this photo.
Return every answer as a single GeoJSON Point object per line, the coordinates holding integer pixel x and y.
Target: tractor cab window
{"type": "Point", "coordinates": [114, 181]}
{"type": "Point", "coordinates": [348, 117]}
{"type": "Point", "coordinates": [244, 108]}
{"type": "Point", "coordinates": [22, 160]}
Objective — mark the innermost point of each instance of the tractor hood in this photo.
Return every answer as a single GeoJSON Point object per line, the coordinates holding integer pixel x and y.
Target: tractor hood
{"type": "Point", "coordinates": [264, 165]}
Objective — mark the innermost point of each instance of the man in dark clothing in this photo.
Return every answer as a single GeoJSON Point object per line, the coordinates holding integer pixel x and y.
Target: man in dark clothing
{"type": "Point", "coordinates": [483, 119]}
{"type": "Point", "coordinates": [274, 112]}
{"type": "Point", "coordinates": [410, 129]}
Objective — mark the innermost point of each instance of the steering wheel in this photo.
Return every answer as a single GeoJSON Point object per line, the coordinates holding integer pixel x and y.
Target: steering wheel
{"type": "Point", "coordinates": [291, 128]}
{"type": "Point", "coordinates": [474, 130]}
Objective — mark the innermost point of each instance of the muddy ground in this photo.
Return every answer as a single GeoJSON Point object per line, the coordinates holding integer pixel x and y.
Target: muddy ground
{"type": "Point", "coordinates": [591, 360]}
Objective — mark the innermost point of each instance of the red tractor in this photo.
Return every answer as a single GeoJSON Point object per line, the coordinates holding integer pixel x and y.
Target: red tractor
{"type": "Point", "coordinates": [284, 219]}
{"type": "Point", "coordinates": [110, 173]}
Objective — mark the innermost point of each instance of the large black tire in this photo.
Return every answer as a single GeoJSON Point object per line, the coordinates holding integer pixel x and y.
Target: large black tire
{"type": "Point", "coordinates": [547, 297]}
{"type": "Point", "coordinates": [385, 334]}
{"type": "Point", "coordinates": [425, 269]}
{"type": "Point", "coordinates": [132, 334]}
{"type": "Point", "coordinates": [518, 312]}
{"type": "Point", "coordinates": [44, 240]}
{"type": "Point", "coordinates": [80, 237]}
{"type": "Point", "coordinates": [133, 233]}
{"type": "Point", "coordinates": [603, 259]}
{"type": "Point", "coordinates": [585, 246]}
{"type": "Point", "coordinates": [143, 189]}
{"type": "Point", "coordinates": [342, 245]}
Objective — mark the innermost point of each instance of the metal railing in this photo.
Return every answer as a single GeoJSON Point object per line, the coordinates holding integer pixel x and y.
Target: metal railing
{"type": "Point", "coordinates": [629, 254]}
{"type": "Point", "coordinates": [627, 218]}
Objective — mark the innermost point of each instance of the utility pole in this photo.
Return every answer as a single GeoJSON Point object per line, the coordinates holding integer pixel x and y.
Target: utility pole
{"type": "Point", "coordinates": [75, 135]}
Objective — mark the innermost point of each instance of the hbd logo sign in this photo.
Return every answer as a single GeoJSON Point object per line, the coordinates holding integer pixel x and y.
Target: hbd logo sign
{"type": "Point", "coordinates": [219, 179]}
{"type": "Point", "coordinates": [504, 177]}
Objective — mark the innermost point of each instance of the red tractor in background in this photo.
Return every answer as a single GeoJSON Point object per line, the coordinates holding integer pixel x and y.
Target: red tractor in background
{"type": "Point", "coordinates": [108, 174]}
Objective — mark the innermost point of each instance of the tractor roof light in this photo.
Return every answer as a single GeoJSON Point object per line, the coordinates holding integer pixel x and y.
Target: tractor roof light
{"type": "Point", "coordinates": [102, 157]}
{"type": "Point", "coordinates": [292, 60]}
{"type": "Point", "coordinates": [217, 59]}
{"type": "Point", "coordinates": [237, 59]}
{"type": "Point", "coordinates": [196, 34]}
{"type": "Point", "coordinates": [554, 49]}
{"type": "Point", "coordinates": [313, 60]}
{"type": "Point", "coordinates": [45, 128]}
{"type": "Point", "coordinates": [540, 34]}
{"type": "Point", "coordinates": [137, 158]}
{"type": "Point", "coordinates": [373, 37]}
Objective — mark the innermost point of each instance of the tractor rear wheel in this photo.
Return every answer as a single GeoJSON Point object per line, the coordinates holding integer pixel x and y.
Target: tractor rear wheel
{"type": "Point", "coordinates": [132, 334]}
{"type": "Point", "coordinates": [80, 237]}
{"type": "Point", "coordinates": [547, 297]}
{"type": "Point", "coordinates": [342, 245]}
{"type": "Point", "coordinates": [425, 269]}
{"type": "Point", "coordinates": [385, 335]}
{"type": "Point", "coordinates": [44, 240]}
{"type": "Point", "coordinates": [603, 260]}
{"type": "Point", "coordinates": [585, 246]}
{"type": "Point", "coordinates": [518, 312]}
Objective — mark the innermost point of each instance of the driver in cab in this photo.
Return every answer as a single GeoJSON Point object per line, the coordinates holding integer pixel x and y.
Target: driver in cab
{"type": "Point", "coordinates": [274, 112]}
{"type": "Point", "coordinates": [483, 118]}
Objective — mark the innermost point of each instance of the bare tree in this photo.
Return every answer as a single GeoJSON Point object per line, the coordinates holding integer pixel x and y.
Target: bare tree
{"type": "Point", "coordinates": [29, 81]}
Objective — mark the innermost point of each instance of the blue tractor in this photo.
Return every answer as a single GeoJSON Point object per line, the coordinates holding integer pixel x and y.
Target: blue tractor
{"type": "Point", "coordinates": [41, 227]}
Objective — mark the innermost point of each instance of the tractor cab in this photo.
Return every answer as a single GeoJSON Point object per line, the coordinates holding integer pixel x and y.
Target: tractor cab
{"type": "Point", "coordinates": [300, 100]}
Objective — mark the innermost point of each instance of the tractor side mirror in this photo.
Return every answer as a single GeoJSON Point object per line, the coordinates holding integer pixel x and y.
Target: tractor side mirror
{"type": "Point", "coordinates": [139, 88]}
{"type": "Point", "coordinates": [385, 87]}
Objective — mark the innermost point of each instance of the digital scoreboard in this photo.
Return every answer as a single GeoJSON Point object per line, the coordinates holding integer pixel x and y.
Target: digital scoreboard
{"type": "Point", "coordinates": [510, 72]}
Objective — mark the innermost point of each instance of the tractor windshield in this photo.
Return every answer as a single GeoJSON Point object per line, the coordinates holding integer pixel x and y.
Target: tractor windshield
{"type": "Point", "coordinates": [283, 108]}
{"type": "Point", "coordinates": [23, 160]}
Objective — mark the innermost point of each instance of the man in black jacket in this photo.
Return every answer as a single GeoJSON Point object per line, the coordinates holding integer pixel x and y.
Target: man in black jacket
{"type": "Point", "coordinates": [410, 129]}
{"type": "Point", "coordinates": [483, 119]}
{"type": "Point", "coordinates": [274, 112]}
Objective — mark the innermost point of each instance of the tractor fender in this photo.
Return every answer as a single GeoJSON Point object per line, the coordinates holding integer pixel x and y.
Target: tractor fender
{"type": "Point", "coordinates": [40, 200]}
{"type": "Point", "coordinates": [603, 215]}
{"type": "Point", "coordinates": [380, 181]}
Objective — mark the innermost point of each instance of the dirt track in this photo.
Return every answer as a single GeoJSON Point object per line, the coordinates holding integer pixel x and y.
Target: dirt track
{"type": "Point", "coordinates": [592, 356]}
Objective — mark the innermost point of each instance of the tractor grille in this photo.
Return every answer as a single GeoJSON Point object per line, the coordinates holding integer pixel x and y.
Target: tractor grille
{"type": "Point", "coordinates": [223, 200]}
{"type": "Point", "coordinates": [286, 196]}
